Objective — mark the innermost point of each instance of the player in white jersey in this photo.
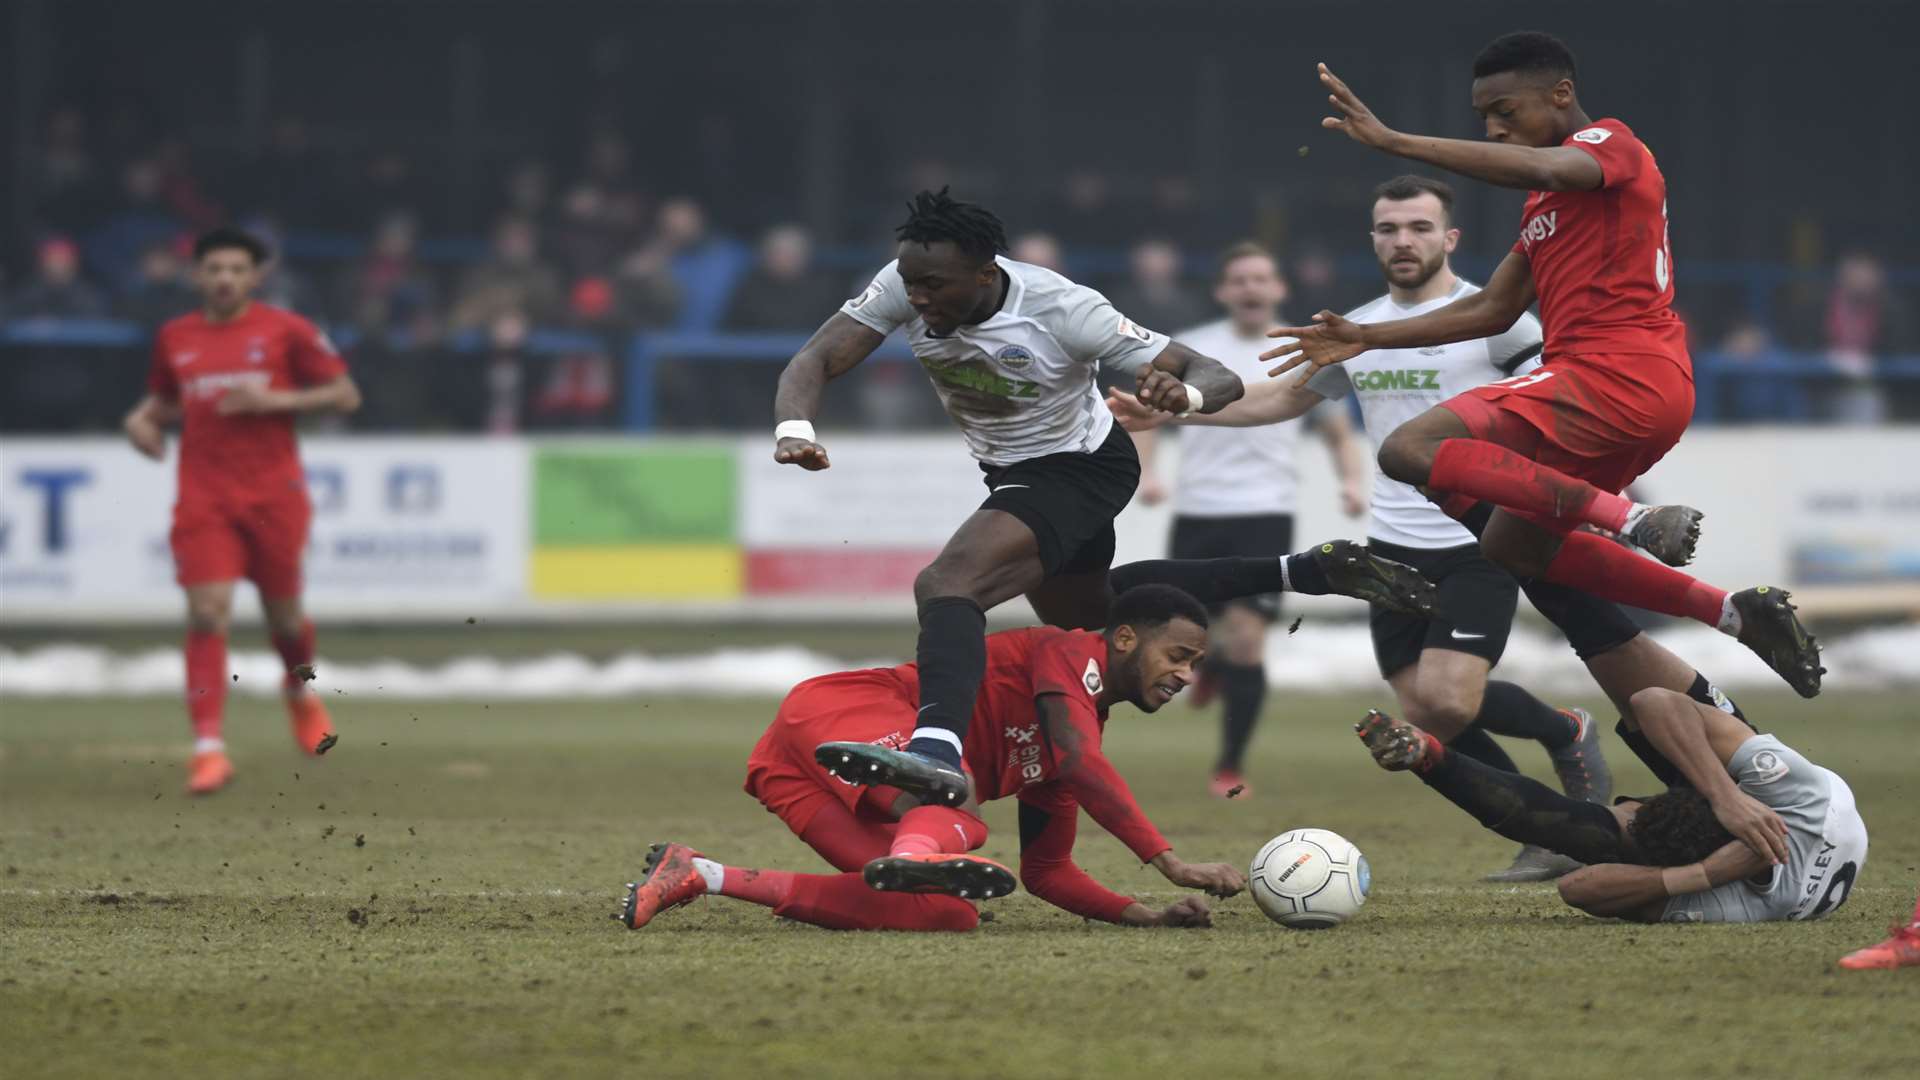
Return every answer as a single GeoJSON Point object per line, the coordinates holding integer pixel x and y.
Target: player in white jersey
{"type": "Point", "coordinates": [1013, 352]}
{"type": "Point", "coordinates": [1236, 494]}
{"type": "Point", "coordinates": [1747, 831]}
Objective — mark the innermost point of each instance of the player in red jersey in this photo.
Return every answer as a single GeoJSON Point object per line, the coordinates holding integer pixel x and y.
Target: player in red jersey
{"type": "Point", "coordinates": [1554, 449]}
{"type": "Point", "coordinates": [1034, 736]}
{"type": "Point", "coordinates": [234, 375]}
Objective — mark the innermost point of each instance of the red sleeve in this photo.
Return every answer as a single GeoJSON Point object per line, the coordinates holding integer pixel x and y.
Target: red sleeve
{"type": "Point", "coordinates": [1048, 817]}
{"type": "Point", "coordinates": [160, 380]}
{"type": "Point", "coordinates": [313, 358]}
{"type": "Point", "coordinates": [1619, 154]}
{"type": "Point", "coordinates": [1092, 780]}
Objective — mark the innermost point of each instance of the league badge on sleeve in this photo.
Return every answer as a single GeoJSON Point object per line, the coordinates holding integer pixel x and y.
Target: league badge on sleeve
{"type": "Point", "coordinates": [860, 301]}
{"type": "Point", "coordinates": [1593, 135]}
{"type": "Point", "coordinates": [1091, 680]}
{"type": "Point", "coordinates": [1138, 333]}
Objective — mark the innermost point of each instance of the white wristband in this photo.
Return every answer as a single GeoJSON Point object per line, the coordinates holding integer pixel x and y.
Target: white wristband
{"type": "Point", "coordinates": [1194, 400]}
{"type": "Point", "coordinates": [793, 429]}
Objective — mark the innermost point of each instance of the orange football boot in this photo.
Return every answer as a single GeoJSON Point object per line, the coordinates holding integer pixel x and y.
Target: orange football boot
{"type": "Point", "coordinates": [1900, 950]}
{"type": "Point", "coordinates": [311, 725]}
{"type": "Point", "coordinates": [208, 772]}
{"type": "Point", "coordinates": [670, 880]}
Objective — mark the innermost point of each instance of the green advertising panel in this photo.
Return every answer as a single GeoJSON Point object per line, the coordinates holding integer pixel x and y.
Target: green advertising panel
{"type": "Point", "coordinates": [625, 495]}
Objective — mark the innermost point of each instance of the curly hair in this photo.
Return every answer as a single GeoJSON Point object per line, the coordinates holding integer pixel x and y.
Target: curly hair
{"type": "Point", "coordinates": [935, 216]}
{"type": "Point", "coordinates": [1676, 828]}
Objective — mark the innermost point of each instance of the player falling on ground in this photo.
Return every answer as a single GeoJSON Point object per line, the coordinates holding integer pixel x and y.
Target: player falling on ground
{"type": "Point", "coordinates": [1554, 448]}
{"type": "Point", "coordinates": [1747, 831]}
{"type": "Point", "coordinates": [1438, 666]}
{"type": "Point", "coordinates": [1901, 949]}
{"type": "Point", "coordinates": [1013, 351]}
{"type": "Point", "coordinates": [1035, 737]}
{"type": "Point", "coordinates": [234, 375]}
{"type": "Point", "coordinates": [1236, 493]}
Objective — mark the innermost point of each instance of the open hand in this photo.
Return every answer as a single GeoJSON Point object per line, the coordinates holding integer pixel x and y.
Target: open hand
{"type": "Point", "coordinates": [1755, 825]}
{"type": "Point", "coordinates": [1134, 414]}
{"type": "Point", "coordinates": [1355, 119]}
{"type": "Point", "coordinates": [810, 456]}
{"type": "Point", "coordinates": [1330, 340]}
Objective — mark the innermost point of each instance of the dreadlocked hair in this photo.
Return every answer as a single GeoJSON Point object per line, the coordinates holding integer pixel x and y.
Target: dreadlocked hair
{"type": "Point", "coordinates": [935, 216]}
{"type": "Point", "coordinates": [1677, 828]}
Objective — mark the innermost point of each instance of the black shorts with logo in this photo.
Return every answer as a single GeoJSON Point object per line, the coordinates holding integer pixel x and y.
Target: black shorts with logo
{"type": "Point", "coordinates": [1241, 536]}
{"type": "Point", "coordinates": [1069, 500]}
{"type": "Point", "coordinates": [1478, 599]}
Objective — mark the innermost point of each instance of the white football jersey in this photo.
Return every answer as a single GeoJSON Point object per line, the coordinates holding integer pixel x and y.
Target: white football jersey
{"type": "Point", "coordinates": [1021, 384]}
{"type": "Point", "coordinates": [1396, 385]}
{"type": "Point", "coordinates": [1236, 472]}
{"type": "Point", "coordinates": [1826, 842]}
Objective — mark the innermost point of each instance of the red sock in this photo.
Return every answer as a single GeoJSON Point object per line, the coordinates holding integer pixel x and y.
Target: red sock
{"type": "Point", "coordinates": [768, 888]}
{"type": "Point", "coordinates": [206, 682]}
{"type": "Point", "coordinates": [1496, 474]}
{"type": "Point", "coordinates": [926, 830]}
{"type": "Point", "coordinates": [296, 651]}
{"type": "Point", "coordinates": [1597, 565]}
{"type": "Point", "coordinates": [844, 902]}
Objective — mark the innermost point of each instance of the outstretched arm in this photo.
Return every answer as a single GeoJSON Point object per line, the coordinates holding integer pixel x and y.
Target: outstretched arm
{"type": "Point", "coordinates": [1263, 403]}
{"type": "Point", "coordinates": [1530, 168]}
{"type": "Point", "coordinates": [1047, 870]}
{"type": "Point", "coordinates": [1164, 383]}
{"type": "Point", "coordinates": [1349, 453]}
{"type": "Point", "coordinates": [1617, 890]}
{"type": "Point", "coordinates": [1333, 339]}
{"type": "Point", "coordinates": [1700, 741]}
{"type": "Point", "coordinates": [833, 350]}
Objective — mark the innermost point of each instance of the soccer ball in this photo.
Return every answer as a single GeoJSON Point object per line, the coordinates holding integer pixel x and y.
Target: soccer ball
{"type": "Point", "coordinates": [1309, 879]}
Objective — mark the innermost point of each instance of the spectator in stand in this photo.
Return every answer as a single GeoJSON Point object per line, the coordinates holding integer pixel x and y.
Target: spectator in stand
{"type": "Point", "coordinates": [1864, 322]}
{"type": "Point", "coordinates": [290, 172]}
{"type": "Point", "coordinates": [590, 232]}
{"type": "Point", "coordinates": [529, 191]}
{"type": "Point", "coordinates": [163, 287]}
{"type": "Point", "coordinates": [65, 180]}
{"type": "Point", "coordinates": [142, 219]}
{"type": "Point", "coordinates": [784, 291]}
{"type": "Point", "coordinates": [1752, 395]}
{"type": "Point", "coordinates": [281, 284]}
{"type": "Point", "coordinates": [1040, 249]}
{"type": "Point", "coordinates": [57, 290]}
{"type": "Point", "coordinates": [506, 373]}
{"type": "Point", "coordinates": [181, 188]}
{"type": "Point", "coordinates": [1154, 296]}
{"type": "Point", "coordinates": [652, 281]}
{"type": "Point", "coordinates": [512, 279]}
{"type": "Point", "coordinates": [389, 292]}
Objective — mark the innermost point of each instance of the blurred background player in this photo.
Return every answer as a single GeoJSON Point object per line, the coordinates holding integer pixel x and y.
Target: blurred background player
{"type": "Point", "coordinates": [1036, 733]}
{"type": "Point", "coordinates": [1438, 666]}
{"type": "Point", "coordinates": [1555, 448]}
{"type": "Point", "coordinates": [234, 375]}
{"type": "Point", "coordinates": [1235, 496]}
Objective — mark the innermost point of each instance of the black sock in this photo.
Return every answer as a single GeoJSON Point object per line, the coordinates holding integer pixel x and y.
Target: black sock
{"type": "Point", "coordinates": [1216, 581]}
{"type": "Point", "coordinates": [952, 655]}
{"type": "Point", "coordinates": [1510, 710]}
{"type": "Point", "coordinates": [1480, 746]}
{"type": "Point", "coordinates": [1243, 689]}
{"type": "Point", "coordinates": [1526, 810]}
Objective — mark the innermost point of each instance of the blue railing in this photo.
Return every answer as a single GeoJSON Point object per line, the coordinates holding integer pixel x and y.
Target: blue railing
{"type": "Point", "coordinates": [1769, 386]}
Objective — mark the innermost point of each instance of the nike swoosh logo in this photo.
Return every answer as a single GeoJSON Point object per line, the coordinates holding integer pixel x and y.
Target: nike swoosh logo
{"type": "Point", "coordinates": [1007, 487]}
{"type": "Point", "coordinates": [1458, 636]}
{"type": "Point", "coordinates": [924, 708]}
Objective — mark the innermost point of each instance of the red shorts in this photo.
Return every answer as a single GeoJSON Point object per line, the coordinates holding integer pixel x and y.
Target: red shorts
{"type": "Point", "coordinates": [849, 706]}
{"type": "Point", "coordinates": [263, 542]}
{"type": "Point", "coordinates": [1603, 418]}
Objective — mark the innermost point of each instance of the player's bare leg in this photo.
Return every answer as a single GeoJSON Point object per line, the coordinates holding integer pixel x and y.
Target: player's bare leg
{"type": "Point", "coordinates": [292, 634]}
{"type": "Point", "coordinates": [1901, 949]}
{"type": "Point", "coordinates": [209, 614]}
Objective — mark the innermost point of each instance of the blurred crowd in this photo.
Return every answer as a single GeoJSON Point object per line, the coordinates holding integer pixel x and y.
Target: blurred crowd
{"type": "Point", "coordinates": [443, 319]}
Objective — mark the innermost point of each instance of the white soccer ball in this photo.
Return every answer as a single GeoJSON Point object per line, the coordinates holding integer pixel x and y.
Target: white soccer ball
{"type": "Point", "coordinates": [1309, 879]}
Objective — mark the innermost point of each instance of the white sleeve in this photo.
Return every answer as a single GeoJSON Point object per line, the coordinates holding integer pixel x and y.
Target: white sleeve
{"type": "Point", "coordinates": [1776, 775]}
{"type": "Point", "coordinates": [1090, 329]}
{"type": "Point", "coordinates": [1331, 382]}
{"type": "Point", "coordinates": [1513, 349]}
{"type": "Point", "coordinates": [882, 306]}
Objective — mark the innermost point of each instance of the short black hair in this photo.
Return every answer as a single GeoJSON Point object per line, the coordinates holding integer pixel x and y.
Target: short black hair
{"type": "Point", "coordinates": [1677, 828]}
{"type": "Point", "coordinates": [1412, 187]}
{"type": "Point", "coordinates": [1246, 249]}
{"type": "Point", "coordinates": [936, 216]}
{"type": "Point", "coordinates": [226, 238]}
{"type": "Point", "coordinates": [1149, 607]}
{"type": "Point", "coordinates": [1525, 51]}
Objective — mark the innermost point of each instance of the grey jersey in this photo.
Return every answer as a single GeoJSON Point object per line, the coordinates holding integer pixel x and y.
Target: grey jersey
{"type": "Point", "coordinates": [1021, 384]}
{"type": "Point", "coordinates": [1826, 842]}
{"type": "Point", "coordinates": [1397, 385]}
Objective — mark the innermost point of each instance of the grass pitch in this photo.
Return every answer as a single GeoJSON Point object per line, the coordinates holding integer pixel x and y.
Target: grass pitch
{"type": "Point", "coordinates": [432, 899]}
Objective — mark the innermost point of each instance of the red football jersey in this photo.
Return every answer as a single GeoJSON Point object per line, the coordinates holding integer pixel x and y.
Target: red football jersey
{"type": "Point", "coordinates": [238, 458]}
{"type": "Point", "coordinates": [1009, 751]}
{"type": "Point", "coordinates": [1601, 262]}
